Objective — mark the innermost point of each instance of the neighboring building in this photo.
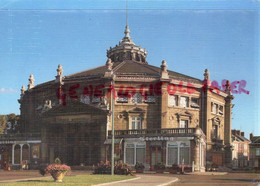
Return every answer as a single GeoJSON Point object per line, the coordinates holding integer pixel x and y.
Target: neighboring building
{"type": "Point", "coordinates": [160, 115]}
{"type": "Point", "coordinates": [240, 153]}
{"type": "Point", "coordinates": [255, 151]}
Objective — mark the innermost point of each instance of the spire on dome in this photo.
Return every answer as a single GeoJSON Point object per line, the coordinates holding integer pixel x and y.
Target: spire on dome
{"type": "Point", "coordinates": [127, 50]}
{"type": "Point", "coordinates": [127, 39]}
{"type": "Point", "coordinates": [127, 31]}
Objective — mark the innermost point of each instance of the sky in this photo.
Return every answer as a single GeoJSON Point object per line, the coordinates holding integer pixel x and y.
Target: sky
{"type": "Point", "coordinates": [190, 35]}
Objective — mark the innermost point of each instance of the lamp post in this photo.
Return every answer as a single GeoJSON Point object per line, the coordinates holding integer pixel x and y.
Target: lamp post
{"type": "Point", "coordinates": [113, 130]}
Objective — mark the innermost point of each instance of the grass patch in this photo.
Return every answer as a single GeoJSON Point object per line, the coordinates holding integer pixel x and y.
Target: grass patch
{"type": "Point", "coordinates": [73, 180]}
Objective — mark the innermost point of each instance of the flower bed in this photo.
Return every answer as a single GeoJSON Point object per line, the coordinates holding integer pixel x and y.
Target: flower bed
{"type": "Point", "coordinates": [120, 168]}
{"type": "Point", "coordinates": [57, 170]}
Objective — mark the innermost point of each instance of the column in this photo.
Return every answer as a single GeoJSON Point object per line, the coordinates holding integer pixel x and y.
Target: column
{"type": "Point", "coordinates": [227, 131]}
{"type": "Point", "coordinates": [21, 153]}
{"type": "Point", "coordinates": [13, 153]}
{"type": "Point", "coordinates": [197, 155]}
{"type": "Point", "coordinates": [29, 151]}
{"type": "Point", "coordinates": [164, 105]}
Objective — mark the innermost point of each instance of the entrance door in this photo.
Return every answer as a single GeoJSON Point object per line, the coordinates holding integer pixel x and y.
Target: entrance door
{"type": "Point", "coordinates": [156, 156]}
{"type": "Point", "coordinates": [218, 159]}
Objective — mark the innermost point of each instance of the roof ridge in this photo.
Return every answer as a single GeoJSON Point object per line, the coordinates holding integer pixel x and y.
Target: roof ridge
{"type": "Point", "coordinates": [85, 70]}
{"type": "Point", "coordinates": [148, 66]}
{"type": "Point", "coordinates": [145, 65]}
{"type": "Point", "coordinates": [119, 65]}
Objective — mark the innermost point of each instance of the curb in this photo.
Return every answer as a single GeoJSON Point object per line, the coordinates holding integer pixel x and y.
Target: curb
{"type": "Point", "coordinates": [108, 183]}
{"type": "Point", "coordinates": [170, 182]}
{"type": "Point", "coordinates": [24, 179]}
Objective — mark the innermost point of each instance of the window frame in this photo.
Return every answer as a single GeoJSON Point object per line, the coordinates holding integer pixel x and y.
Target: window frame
{"type": "Point", "coordinates": [136, 145]}
{"type": "Point", "coordinates": [134, 98]}
{"type": "Point", "coordinates": [176, 100]}
{"type": "Point", "coordinates": [186, 125]}
{"type": "Point", "coordinates": [257, 151]}
{"type": "Point", "coordinates": [137, 122]}
{"type": "Point", "coordinates": [194, 104]}
{"type": "Point", "coordinates": [178, 146]}
{"type": "Point", "coordinates": [187, 101]}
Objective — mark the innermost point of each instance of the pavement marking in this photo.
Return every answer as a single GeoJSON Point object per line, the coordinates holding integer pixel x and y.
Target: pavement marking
{"type": "Point", "coordinates": [170, 182]}
{"type": "Point", "coordinates": [108, 183]}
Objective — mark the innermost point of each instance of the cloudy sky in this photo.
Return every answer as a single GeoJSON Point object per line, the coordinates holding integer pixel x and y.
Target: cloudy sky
{"type": "Point", "coordinates": [190, 35]}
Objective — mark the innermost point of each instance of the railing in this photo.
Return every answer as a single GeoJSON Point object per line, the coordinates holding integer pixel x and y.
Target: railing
{"type": "Point", "coordinates": [154, 132]}
{"type": "Point", "coordinates": [21, 136]}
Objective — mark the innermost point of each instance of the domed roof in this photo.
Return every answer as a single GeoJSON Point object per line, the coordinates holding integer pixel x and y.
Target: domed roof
{"type": "Point", "coordinates": [131, 68]}
{"type": "Point", "coordinates": [127, 50]}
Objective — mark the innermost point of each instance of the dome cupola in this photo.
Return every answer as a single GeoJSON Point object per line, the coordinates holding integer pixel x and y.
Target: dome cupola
{"type": "Point", "coordinates": [127, 50]}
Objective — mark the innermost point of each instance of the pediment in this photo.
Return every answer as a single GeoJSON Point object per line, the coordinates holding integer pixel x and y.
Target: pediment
{"type": "Point", "coordinates": [136, 110]}
{"type": "Point", "coordinates": [184, 113]}
{"type": "Point", "coordinates": [216, 119]}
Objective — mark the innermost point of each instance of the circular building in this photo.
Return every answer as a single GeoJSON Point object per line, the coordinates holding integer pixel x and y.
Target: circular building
{"type": "Point", "coordinates": [160, 116]}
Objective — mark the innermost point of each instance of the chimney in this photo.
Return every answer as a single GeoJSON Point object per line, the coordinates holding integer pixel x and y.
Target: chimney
{"type": "Point", "coordinates": [233, 132]}
{"type": "Point", "coordinates": [251, 136]}
{"type": "Point", "coordinates": [242, 134]}
{"type": "Point", "coordinates": [238, 132]}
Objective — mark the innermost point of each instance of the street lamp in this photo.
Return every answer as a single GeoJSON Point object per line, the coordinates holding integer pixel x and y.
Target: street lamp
{"type": "Point", "coordinates": [113, 130]}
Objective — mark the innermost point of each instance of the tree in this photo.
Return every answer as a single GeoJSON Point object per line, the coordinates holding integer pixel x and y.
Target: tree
{"type": "Point", "coordinates": [3, 123]}
{"type": "Point", "coordinates": [12, 125]}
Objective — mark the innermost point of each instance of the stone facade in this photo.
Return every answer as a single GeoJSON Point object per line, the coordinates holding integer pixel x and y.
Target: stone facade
{"type": "Point", "coordinates": [160, 115]}
{"type": "Point", "coordinates": [240, 151]}
{"type": "Point", "coordinates": [254, 152]}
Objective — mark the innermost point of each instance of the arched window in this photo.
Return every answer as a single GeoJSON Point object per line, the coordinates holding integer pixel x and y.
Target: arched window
{"type": "Point", "coordinates": [137, 57]}
{"type": "Point", "coordinates": [85, 99]}
{"type": "Point", "coordinates": [17, 153]}
{"type": "Point", "coordinates": [25, 152]}
{"type": "Point", "coordinates": [128, 55]}
{"type": "Point", "coordinates": [137, 98]}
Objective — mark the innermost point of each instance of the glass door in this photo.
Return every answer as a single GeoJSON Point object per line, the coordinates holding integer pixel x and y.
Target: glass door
{"type": "Point", "coordinates": [156, 156]}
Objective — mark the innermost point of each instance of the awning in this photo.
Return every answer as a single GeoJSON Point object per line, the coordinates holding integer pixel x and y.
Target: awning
{"type": "Point", "coordinates": [109, 141]}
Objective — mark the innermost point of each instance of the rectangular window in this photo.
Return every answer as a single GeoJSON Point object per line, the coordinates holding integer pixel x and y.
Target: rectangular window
{"type": "Point", "coordinates": [215, 132]}
{"type": "Point", "coordinates": [177, 152]}
{"type": "Point", "coordinates": [257, 151]}
{"type": "Point", "coordinates": [194, 103]}
{"type": "Point", "coordinates": [184, 102]}
{"type": "Point", "coordinates": [130, 156]}
{"type": "Point", "coordinates": [135, 152]}
{"type": "Point", "coordinates": [214, 108]}
{"type": "Point", "coordinates": [136, 123]}
{"type": "Point", "coordinates": [220, 111]}
{"type": "Point", "coordinates": [122, 99]}
{"type": "Point", "coordinates": [183, 124]}
{"type": "Point", "coordinates": [150, 99]}
{"type": "Point", "coordinates": [172, 155]}
{"type": "Point", "coordinates": [140, 155]}
{"type": "Point", "coordinates": [173, 100]}
{"type": "Point", "coordinates": [185, 155]}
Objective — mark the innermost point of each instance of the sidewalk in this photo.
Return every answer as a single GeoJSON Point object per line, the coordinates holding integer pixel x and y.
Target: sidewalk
{"type": "Point", "coordinates": [148, 180]}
